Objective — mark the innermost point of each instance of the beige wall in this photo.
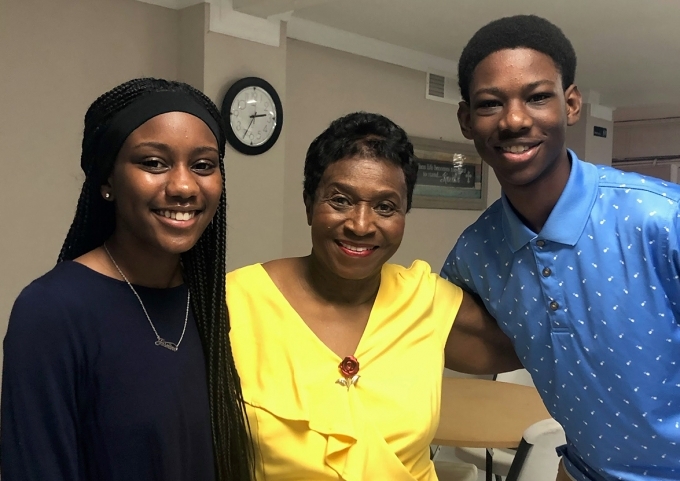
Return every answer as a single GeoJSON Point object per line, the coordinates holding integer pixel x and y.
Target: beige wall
{"type": "Point", "coordinates": [580, 138]}
{"type": "Point", "coordinates": [56, 57]}
{"type": "Point", "coordinates": [193, 26]}
{"type": "Point", "coordinates": [599, 149]}
{"type": "Point", "coordinates": [647, 138]}
{"type": "Point", "coordinates": [660, 171]}
{"type": "Point", "coordinates": [323, 84]}
{"type": "Point", "coordinates": [254, 183]}
{"type": "Point", "coordinates": [576, 138]}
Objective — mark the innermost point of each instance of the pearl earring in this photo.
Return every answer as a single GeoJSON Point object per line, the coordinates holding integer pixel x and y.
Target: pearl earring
{"type": "Point", "coordinates": [107, 195]}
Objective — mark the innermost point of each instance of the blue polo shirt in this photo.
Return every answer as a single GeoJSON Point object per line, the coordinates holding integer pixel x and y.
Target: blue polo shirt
{"type": "Point", "coordinates": [592, 305]}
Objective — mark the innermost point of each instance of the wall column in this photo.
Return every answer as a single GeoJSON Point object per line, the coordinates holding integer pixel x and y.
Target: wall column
{"type": "Point", "coordinates": [212, 58]}
{"type": "Point", "coordinates": [593, 135]}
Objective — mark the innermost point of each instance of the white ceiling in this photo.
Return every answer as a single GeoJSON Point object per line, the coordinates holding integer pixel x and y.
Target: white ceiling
{"type": "Point", "coordinates": [628, 50]}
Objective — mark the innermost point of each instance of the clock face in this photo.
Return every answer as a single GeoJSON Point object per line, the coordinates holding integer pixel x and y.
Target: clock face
{"type": "Point", "coordinates": [253, 116]}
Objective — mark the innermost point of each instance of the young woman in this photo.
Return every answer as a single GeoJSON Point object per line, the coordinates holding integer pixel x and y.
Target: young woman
{"type": "Point", "coordinates": [117, 362]}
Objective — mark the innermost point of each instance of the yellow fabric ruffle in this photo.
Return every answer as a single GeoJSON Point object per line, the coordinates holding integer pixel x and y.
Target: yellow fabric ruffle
{"type": "Point", "coordinates": [305, 425]}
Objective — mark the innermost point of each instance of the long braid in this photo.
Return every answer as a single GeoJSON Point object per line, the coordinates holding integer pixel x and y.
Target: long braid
{"type": "Point", "coordinates": [94, 221]}
{"type": "Point", "coordinates": [234, 451]}
{"type": "Point", "coordinates": [204, 272]}
{"type": "Point", "coordinates": [205, 267]}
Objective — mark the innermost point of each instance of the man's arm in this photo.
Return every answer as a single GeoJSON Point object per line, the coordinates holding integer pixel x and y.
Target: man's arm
{"type": "Point", "coordinates": [476, 345]}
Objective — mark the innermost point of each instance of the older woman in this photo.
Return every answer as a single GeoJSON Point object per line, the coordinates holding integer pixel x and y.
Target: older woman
{"type": "Point", "coordinates": [341, 354]}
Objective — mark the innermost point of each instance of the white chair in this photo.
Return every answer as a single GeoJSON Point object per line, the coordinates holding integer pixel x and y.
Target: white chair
{"type": "Point", "coordinates": [536, 457]}
{"type": "Point", "coordinates": [453, 471]}
{"type": "Point", "coordinates": [502, 458]}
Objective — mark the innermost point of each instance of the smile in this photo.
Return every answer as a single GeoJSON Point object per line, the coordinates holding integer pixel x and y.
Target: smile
{"type": "Point", "coordinates": [516, 149]}
{"type": "Point", "coordinates": [176, 215]}
{"type": "Point", "coordinates": [518, 153]}
{"type": "Point", "coordinates": [356, 250]}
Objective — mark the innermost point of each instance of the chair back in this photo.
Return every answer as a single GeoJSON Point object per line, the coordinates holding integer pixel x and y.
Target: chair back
{"type": "Point", "coordinates": [536, 458]}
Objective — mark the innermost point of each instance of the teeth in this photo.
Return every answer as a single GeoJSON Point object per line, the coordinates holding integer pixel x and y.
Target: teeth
{"type": "Point", "coordinates": [355, 249]}
{"type": "Point", "coordinates": [171, 214]}
{"type": "Point", "coordinates": [516, 149]}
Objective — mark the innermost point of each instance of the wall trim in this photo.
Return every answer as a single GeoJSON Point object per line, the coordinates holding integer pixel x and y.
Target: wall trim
{"type": "Point", "coordinates": [224, 19]}
{"type": "Point", "coordinates": [174, 4]}
{"type": "Point", "coordinates": [636, 122]}
{"type": "Point", "coordinates": [601, 112]}
{"type": "Point", "coordinates": [268, 8]}
{"type": "Point", "coordinates": [337, 39]}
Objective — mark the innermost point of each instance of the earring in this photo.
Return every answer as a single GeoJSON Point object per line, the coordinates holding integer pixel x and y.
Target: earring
{"type": "Point", "coordinates": [107, 195]}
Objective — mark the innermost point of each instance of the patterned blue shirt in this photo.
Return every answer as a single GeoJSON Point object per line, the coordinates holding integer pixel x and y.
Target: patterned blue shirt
{"type": "Point", "coordinates": [592, 305]}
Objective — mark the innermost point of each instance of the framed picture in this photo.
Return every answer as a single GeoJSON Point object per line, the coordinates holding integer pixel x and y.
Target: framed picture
{"type": "Point", "coordinates": [451, 175]}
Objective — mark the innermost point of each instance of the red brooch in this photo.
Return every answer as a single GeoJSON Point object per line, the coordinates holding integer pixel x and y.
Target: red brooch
{"type": "Point", "coordinates": [349, 368]}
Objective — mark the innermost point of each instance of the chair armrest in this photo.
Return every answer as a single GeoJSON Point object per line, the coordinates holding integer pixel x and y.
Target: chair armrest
{"type": "Point", "coordinates": [547, 428]}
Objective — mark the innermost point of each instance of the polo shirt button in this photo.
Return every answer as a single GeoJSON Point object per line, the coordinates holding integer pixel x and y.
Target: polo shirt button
{"type": "Point", "coordinates": [540, 243]}
{"type": "Point", "coordinates": [546, 272]}
{"type": "Point", "coordinates": [554, 306]}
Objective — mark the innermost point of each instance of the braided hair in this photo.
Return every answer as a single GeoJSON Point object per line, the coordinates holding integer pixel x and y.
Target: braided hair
{"type": "Point", "coordinates": [204, 270]}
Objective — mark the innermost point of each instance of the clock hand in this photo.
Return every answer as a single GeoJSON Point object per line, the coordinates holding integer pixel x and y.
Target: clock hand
{"type": "Point", "coordinates": [252, 119]}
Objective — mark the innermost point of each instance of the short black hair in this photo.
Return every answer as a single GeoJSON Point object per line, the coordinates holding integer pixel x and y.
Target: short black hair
{"type": "Point", "coordinates": [360, 134]}
{"type": "Point", "coordinates": [519, 31]}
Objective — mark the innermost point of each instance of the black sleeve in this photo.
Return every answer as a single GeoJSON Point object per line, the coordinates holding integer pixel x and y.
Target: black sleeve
{"type": "Point", "coordinates": [39, 416]}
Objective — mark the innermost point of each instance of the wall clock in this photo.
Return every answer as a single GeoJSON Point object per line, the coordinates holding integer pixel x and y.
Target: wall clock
{"type": "Point", "coordinates": [254, 116]}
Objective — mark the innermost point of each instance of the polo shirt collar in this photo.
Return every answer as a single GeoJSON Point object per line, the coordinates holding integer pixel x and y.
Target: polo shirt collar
{"type": "Point", "coordinates": [569, 216]}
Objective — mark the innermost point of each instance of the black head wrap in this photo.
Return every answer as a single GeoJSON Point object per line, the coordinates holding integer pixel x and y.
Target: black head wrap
{"type": "Point", "coordinates": [123, 123]}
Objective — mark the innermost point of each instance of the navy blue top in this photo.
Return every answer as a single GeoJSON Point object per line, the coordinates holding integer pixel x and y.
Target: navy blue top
{"type": "Point", "coordinates": [87, 395]}
{"type": "Point", "coordinates": [592, 304]}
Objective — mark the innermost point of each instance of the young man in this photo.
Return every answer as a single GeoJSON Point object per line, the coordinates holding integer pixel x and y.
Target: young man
{"type": "Point", "coordinates": [579, 264]}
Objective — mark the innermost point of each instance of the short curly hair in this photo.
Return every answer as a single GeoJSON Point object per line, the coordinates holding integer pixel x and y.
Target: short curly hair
{"type": "Point", "coordinates": [519, 31]}
{"type": "Point", "coordinates": [360, 134]}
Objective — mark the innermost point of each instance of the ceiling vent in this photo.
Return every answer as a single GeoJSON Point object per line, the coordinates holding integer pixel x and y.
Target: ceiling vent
{"type": "Point", "coordinates": [441, 88]}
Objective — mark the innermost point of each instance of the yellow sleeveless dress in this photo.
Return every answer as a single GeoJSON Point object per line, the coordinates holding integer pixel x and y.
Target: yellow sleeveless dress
{"type": "Point", "coordinates": [307, 427]}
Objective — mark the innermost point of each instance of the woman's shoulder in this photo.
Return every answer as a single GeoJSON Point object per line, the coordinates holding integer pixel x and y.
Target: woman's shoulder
{"type": "Point", "coordinates": [246, 278]}
{"type": "Point", "coordinates": [52, 301]}
{"type": "Point", "coordinates": [418, 276]}
{"type": "Point", "coordinates": [254, 274]}
{"type": "Point", "coordinates": [67, 277]}
{"type": "Point", "coordinates": [244, 272]}
{"type": "Point", "coordinates": [69, 287]}
{"type": "Point", "coordinates": [418, 272]}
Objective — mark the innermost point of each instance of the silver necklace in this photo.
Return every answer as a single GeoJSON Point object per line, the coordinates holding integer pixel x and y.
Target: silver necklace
{"type": "Point", "coordinates": [159, 340]}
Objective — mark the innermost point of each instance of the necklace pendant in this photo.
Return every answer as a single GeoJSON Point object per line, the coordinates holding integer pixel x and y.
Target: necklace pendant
{"type": "Point", "coordinates": [166, 344]}
{"type": "Point", "coordinates": [160, 341]}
